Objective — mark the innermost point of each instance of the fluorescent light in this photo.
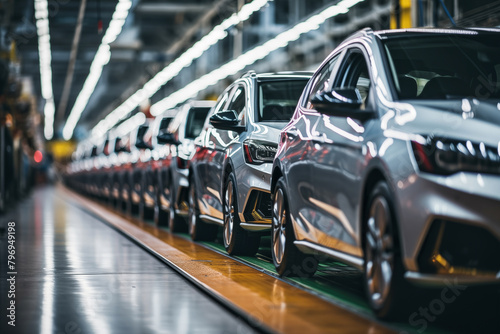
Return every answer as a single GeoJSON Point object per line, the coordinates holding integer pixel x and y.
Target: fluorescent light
{"type": "Point", "coordinates": [152, 86]}
{"type": "Point", "coordinates": [49, 111]}
{"type": "Point", "coordinates": [221, 73]}
{"type": "Point", "coordinates": [251, 56]}
{"type": "Point", "coordinates": [100, 60]}
{"type": "Point", "coordinates": [43, 32]}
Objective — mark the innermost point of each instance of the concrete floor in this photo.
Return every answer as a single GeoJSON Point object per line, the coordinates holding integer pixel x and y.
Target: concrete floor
{"type": "Point", "coordinates": [76, 274]}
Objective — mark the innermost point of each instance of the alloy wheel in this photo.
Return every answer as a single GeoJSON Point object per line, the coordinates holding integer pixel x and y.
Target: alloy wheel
{"type": "Point", "coordinates": [156, 207]}
{"type": "Point", "coordinates": [279, 227]}
{"type": "Point", "coordinates": [379, 251]}
{"type": "Point", "coordinates": [192, 210]}
{"type": "Point", "coordinates": [229, 210]}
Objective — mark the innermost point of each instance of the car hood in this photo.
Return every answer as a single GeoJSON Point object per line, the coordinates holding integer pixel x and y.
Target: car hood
{"type": "Point", "coordinates": [468, 119]}
{"type": "Point", "coordinates": [268, 131]}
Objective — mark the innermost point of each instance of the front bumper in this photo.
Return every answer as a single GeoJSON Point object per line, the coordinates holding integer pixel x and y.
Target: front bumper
{"type": "Point", "coordinates": [442, 280]}
{"type": "Point", "coordinates": [450, 227]}
{"type": "Point", "coordinates": [254, 196]}
{"type": "Point", "coordinates": [181, 184]}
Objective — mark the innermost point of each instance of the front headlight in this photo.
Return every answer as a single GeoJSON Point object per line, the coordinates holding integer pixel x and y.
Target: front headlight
{"type": "Point", "coordinates": [445, 156]}
{"type": "Point", "coordinates": [258, 152]}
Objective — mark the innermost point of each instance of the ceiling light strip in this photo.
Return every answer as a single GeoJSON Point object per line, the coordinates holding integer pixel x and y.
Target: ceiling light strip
{"type": "Point", "coordinates": [251, 56]}
{"type": "Point", "coordinates": [130, 124]}
{"type": "Point", "coordinates": [42, 28]}
{"type": "Point", "coordinates": [101, 58]}
{"type": "Point", "coordinates": [152, 86]}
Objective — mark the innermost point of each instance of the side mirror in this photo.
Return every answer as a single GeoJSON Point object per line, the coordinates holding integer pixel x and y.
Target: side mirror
{"type": "Point", "coordinates": [143, 145]}
{"type": "Point", "coordinates": [140, 143]}
{"type": "Point", "coordinates": [106, 149]}
{"type": "Point", "coordinates": [226, 120]}
{"type": "Point", "coordinates": [167, 138]}
{"type": "Point", "coordinates": [341, 102]}
{"type": "Point", "coordinates": [120, 148]}
{"type": "Point", "coordinates": [93, 153]}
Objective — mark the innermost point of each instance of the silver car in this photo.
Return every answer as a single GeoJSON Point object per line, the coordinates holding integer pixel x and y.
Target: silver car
{"type": "Point", "coordinates": [170, 161]}
{"type": "Point", "coordinates": [391, 163]}
{"type": "Point", "coordinates": [230, 171]}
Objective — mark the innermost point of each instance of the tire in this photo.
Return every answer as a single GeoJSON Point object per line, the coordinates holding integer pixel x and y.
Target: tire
{"type": "Point", "coordinates": [141, 207]}
{"type": "Point", "coordinates": [160, 217]}
{"type": "Point", "coordinates": [127, 203]}
{"type": "Point", "coordinates": [287, 258]}
{"type": "Point", "coordinates": [117, 201]}
{"type": "Point", "coordinates": [198, 229]}
{"type": "Point", "coordinates": [237, 241]}
{"type": "Point", "coordinates": [144, 211]}
{"type": "Point", "coordinates": [383, 267]}
{"type": "Point", "coordinates": [175, 222]}
{"type": "Point", "coordinates": [134, 207]}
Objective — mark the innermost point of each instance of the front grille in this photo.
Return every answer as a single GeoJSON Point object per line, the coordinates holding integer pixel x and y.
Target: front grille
{"type": "Point", "coordinates": [457, 248]}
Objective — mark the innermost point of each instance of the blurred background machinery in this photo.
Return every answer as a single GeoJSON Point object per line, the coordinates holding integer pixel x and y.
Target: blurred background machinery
{"type": "Point", "coordinates": [20, 138]}
{"type": "Point", "coordinates": [153, 34]}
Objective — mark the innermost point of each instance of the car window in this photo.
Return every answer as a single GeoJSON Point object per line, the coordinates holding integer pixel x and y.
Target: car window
{"type": "Point", "coordinates": [126, 142]}
{"type": "Point", "coordinates": [354, 73]}
{"type": "Point", "coordinates": [222, 102]}
{"type": "Point", "coordinates": [164, 123]}
{"type": "Point", "coordinates": [118, 145]}
{"type": "Point", "coordinates": [278, 99]}
{"type": "Point", "coordinates": [323, 80]}
{"type": "Point", "coordinates": [237, 104]}
{"type": "Point", "coordinates": [195, 120]}
{"type": "Point", "coordinates": [219, 106]}
{"type": "Point", "coordinates": [106, 147]}
{"type": "Point", "coordinates": [435, 66]}
{"type": "Point", "coordinates": [148, 136]}
{"type": "Point", "coordinates": [141, 133]}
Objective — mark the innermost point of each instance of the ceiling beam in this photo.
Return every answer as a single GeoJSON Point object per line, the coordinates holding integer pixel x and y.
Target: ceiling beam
{"type": "Point", "coordinates": [61, 110]}
{"type": "Point", "coordinates": [169, 8]}
{"type": "Point", "coordinates": [203, 21]}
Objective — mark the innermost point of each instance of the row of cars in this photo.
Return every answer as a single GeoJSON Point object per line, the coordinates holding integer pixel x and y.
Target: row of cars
{"type": "Point", "coordinates": [387, 158]}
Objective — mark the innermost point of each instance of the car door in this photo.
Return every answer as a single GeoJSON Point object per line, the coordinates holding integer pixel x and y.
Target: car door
{"type": "Point", "coordinates": [208, 162]}
{"type": "Point", "coordinates": [222, 140]}
{"type": "Point", "coordinates": [338, 161]}
{"type": "Point", "coordinates": [163, 160]}
{"type": "Point", "coordinates": [296, 164]}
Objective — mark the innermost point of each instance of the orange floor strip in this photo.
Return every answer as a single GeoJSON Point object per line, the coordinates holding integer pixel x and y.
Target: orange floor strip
{"type": "Point", "coordinates": [267, 301]}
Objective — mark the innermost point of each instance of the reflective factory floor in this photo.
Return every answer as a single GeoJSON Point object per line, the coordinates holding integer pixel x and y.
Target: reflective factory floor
{"type": "Point", "coordinates": [84, 268]}
{"type": "Point", "coordinates": [78, 275]}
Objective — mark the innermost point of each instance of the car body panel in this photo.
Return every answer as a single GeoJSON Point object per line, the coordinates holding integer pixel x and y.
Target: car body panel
{"type": "Point", "coordinates": [328, 162]}
{"type": "Point", "coordinates": [220, 151]}
{"type": "Point", "coordinates": [168, 174]}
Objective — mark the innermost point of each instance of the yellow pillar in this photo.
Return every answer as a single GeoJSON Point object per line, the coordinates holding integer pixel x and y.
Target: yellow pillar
{"type": "Point", "coordinates": [401, 10]}
{"type": "Point", "coordinates": [13, 52]}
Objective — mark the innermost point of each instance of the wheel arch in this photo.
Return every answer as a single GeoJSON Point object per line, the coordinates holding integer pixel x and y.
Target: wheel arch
{"type": "Point", "coordinates": [226, 170]}
{"type": "Point", "coordinates": [374, 176]}
{"type": "Point", "coordinates": [275, 176]}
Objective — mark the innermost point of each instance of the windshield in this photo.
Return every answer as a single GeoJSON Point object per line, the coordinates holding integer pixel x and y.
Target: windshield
{"type": "Point", "coordinates": [445, 67]}
{"type": "Point", "coordinates": [195, 121]}
{"type": "Point", "coordinates": [278, 99]}
{"type": "Point", "coordinates": [164, 123]}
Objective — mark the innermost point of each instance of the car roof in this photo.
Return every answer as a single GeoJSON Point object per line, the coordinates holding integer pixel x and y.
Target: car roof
{"type": "Point", "coordinates": [394, 33]}
{"type": "Point", "coordinates": [278, 75]}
